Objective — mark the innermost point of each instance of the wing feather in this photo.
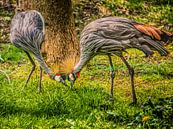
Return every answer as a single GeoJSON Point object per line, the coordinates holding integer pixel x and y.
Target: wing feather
{"type": "Point", "coordinates": [153, 32]}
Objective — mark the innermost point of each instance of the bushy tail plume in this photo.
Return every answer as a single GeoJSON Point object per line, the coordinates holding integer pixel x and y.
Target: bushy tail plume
{"type": "Point", "coordinates": [154, 32]}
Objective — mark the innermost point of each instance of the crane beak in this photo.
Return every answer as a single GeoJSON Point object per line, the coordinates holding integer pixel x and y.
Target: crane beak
{"type": "Point", "coordinates": [64, 83]}
{"type": "Point", "coordinates": [60, 78]}
{"type": "Point", "coordinates": [72, 79]}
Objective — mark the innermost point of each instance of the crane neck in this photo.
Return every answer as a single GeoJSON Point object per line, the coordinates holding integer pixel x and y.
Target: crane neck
{"type": "Point", "coordinates": [44, 66]}
{"type": "Point", "coordinates": [82, 62]}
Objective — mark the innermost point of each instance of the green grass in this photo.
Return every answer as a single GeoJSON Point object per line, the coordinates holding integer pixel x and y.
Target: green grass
{"type": "Point", "coordinates": [10, 53]}
{"type": "Point", "coordinates": [87, 105]}
{"type": "Point", "coordinates": [151, 12]}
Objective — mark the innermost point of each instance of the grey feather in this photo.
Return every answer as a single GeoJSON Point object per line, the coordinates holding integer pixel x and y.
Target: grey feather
{"type": "Point", "coordinates": [27, 32]}
{"type": "Point", "coordinates": [113, 35]}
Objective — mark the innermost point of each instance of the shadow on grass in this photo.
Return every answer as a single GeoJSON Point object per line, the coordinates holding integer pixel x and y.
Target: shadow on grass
{"type": "Point", "coordinates": [168, 75]}
{"type": "Point", "coordinates": [82, 104]}
{"type": "Point", "coordinates": [7, 108]}
{"type": "Point", "coordinates": [75, 103]}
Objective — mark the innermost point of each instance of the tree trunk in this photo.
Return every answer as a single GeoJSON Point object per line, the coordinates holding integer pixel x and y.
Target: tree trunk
{"type": "Point", "coordinates": [61, 40]}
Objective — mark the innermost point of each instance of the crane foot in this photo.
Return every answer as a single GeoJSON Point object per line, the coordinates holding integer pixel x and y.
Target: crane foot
{"type": "Point", "coordinates": [133, 104]}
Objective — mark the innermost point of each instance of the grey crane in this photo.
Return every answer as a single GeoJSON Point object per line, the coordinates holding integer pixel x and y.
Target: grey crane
{"type": "Point", "coordinates": [112, 36]}
{"type": "Point", "coordinates": [27, 32]}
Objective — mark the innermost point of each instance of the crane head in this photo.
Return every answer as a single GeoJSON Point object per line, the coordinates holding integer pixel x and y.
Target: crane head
{"type": "Point", "coordinates": [60, 78]}
{"type": "Point", "coordinates": [72, 78]}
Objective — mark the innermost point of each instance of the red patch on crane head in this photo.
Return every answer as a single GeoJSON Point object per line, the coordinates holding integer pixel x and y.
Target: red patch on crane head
{"type": "Point", "coordinates": [78, 74]}
{"type": "Point", "coordinates": [57, 74]}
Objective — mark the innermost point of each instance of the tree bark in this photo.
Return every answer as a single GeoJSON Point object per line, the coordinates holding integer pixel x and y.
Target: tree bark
{"type": "Point", "coordinates": [61, 39]}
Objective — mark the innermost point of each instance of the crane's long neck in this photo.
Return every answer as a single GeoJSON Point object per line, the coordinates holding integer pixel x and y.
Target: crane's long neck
{"type": "Point", "coordinates": [44, 65]}
{"type": "Point", "coordinates": [84, 58]}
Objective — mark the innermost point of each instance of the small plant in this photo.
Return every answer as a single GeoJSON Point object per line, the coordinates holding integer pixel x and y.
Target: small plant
{"type": "Point", "coordinates": [10, 53]}
{"type": "Point", "coordinates": [155, 115]}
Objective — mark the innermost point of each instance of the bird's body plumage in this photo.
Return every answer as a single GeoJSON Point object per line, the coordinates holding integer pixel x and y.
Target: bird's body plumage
{"type": "Point", "coordinates": [27, 32]}
{"type": "Point", "coordinates": [112, 36]}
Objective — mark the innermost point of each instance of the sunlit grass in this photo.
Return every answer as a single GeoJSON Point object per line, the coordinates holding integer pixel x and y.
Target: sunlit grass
{"type": "Point", "coordinates": [87, 105]}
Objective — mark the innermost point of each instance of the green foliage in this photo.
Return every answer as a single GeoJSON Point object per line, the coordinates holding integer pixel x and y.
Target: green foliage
{"type": "Point", "coordinates": [143, 11]}
{"type": "Point", "coordinates": [6, 13]}
{"type": "Point", "coordinates": [9, 53]}
{"type": "Point", "coordinates": [155, 115]}
{"type": "Point", "coordinates": [85, 11]}
{"type": "Point", "coordinates": [159, 2]}
{"type": "Point", "coordinates": [155, 12]}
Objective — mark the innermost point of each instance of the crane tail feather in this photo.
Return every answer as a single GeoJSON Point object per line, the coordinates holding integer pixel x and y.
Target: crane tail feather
{"type": "Point", "coordinates": [157, 45]}
{"type": "Point", "coordinates": [154, 32]}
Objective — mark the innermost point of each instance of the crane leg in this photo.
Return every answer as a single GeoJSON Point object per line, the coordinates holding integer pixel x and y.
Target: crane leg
{"type": "Point", "coordinates": [131, 72]}
{"type": "Point", "coordinates": [112, 76]}
{"type": "Point", "coordinates": [32, 70]}
{"type": "Point", "coordinates": [39, 85]}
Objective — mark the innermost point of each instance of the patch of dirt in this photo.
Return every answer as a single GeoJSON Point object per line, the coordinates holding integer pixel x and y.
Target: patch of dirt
{"type": "Point", "coordinates": [6, 12]}
{"type": "Point", "coordinates": [86, 11]}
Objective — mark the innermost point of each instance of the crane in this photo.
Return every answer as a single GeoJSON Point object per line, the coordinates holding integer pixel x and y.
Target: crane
{"type": "Point", "coordinates": [27, 32]}
{"type": "Point", "coordinates": [112, 36]}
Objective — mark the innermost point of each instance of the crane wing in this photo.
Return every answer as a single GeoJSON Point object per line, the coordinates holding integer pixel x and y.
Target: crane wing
{"type": "Point", "coordinates": [122, 28]}
{"type": "Point", "coordinates": [153, 32]}
{"type": "Point", "coordinates": [118, 30]}
{"type": "Point", "coordinates": [114, 34]}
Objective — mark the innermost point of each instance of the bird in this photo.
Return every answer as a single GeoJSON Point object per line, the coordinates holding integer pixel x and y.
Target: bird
{"type": "Point", "coordinates": [27, 32]}
{"type": "Point", "coordinates": [112, 36]}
